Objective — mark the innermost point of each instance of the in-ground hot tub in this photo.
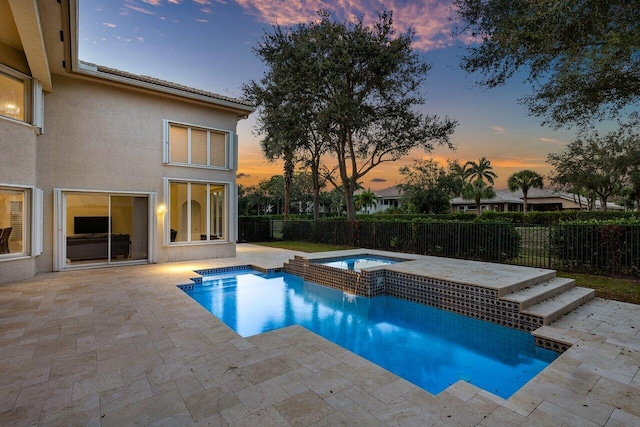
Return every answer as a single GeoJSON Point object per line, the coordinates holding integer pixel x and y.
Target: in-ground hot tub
{"type": "Point", "coordinates": [359, 274]}
{"type": "Point", "coordinates": [358, 262]}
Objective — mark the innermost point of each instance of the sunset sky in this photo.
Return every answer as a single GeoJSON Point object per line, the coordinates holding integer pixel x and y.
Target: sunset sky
{"type": "Point", "coordinates": [207, 44]}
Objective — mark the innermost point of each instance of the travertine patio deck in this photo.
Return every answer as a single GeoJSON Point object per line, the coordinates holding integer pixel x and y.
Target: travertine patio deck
{"type": "Point", "coordinates": [124, 346]}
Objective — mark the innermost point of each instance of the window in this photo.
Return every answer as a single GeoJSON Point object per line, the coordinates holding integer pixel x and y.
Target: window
{"type": "Point", "coordinates": [14, 92]}
{"type": "Point", "coordinates": [20, 220]}
{"type": "Point", "coordinates": [197, 212]}
{"type": "Point", "coordinates": [197, 146]}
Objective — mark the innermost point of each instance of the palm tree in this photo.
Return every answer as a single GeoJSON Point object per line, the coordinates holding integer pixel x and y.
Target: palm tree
{"type": "Point", "coordinates": [479, 171]}
{"type": "Point", "coordinates": [476, 191]}
{"type": "Point", "coordinates": [524, 180]}
{"type": "Point", "coordinates": [366, 199]}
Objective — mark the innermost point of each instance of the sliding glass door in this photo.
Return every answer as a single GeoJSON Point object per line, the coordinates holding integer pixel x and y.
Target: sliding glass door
{"type": "Point", "coordinates": [103, 228]}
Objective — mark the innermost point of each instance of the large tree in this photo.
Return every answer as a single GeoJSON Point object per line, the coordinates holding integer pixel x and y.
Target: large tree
{"type": "Point", "coordinates": [427, 188]}
{"type": "Point", "coordinates": [525, 180]}
{"type": "Point", "coordinates": [598, 164]}
{"type": "Point", "coordinates": [581, 56]}
{"type": "Point", "coordinates": [355, 88]}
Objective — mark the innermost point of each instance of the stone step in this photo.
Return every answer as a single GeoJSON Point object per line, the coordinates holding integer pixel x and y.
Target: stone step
{"type": "Point", "coordinates": [551, 309]}
{"type": "Point", "coordinates": [539, 292]}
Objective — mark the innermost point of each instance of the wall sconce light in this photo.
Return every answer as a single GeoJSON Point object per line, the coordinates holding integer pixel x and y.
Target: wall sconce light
{"type": "Point", "coordinates": [161, 209]}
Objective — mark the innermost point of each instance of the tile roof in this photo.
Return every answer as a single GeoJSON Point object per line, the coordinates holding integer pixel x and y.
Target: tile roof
{"type": "Point", "coordinates": [245, 105]}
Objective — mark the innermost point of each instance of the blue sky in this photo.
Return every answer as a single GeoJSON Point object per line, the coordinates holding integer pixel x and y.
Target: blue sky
{"type": "Point", "coordinates": [207, 44]}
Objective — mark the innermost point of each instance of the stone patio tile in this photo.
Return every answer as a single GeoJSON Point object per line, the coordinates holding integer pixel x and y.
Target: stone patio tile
{"type": "Point", "coordinates": [620, 418]}
{"type": "Point", "coordinates": [589, 407]}
{"type": "Point", "coordinates": [215, 420]}
{"type": "Point", "coordinates": [352, 415]}
{"type": "Point", "coordinates": [404, 413]}
{"type": "Point", "coordinates": [264, 370]}
{"type": "Point", "coordinates": [167, 409]}
{"type": "Point", "coordinates": [246, 357]}
{"type": "Point", "coordinates": [221, 371]}
{"type": "Point", "coordinates": [575, 378]}
{"type": "Point", "coordinates": [617, 395]}
{"type": "Point", "coordinates": [135, 360]}
{"type": "Point", "coordinates": [260, 396]}
{"type": "Point", "coordinates": [85, 411]}
{"type": "Point", "coordinates": [304, 408]}
{"type": "Point", "coordinates": [370, 377]}
{"type": "Point", "coordinates": [44, 390]}
{"type": "Point", "coordinates": [27, 415]}
{"type": "Point", "coordinates": [133, 391]}
{"type": "Point", "coordinates": [147, 341]}
{"type": "Point", "coordinates": [268, 417]}
{"type": "Point", "coordinates": [361, 398]}
{"type": "Point", "coordinates": [234, 414]}
{"type": "Point", "coordinates": [393, 391]}
{"type": "Point", "coordinates": [84, 363]}
{"type": "Point", "coordinates": [455, 412]}
{"type": "Point", "coordinates": [326, 383]}
{"type": "Point", "coordinates": [561, 415]}
{"type": "Point", "coordinates": [503, 417]}
{"type": "Point", "coordinates": [168, 372]}
{"type": "Point", "coordinates": [210, 402]}
{"type": "Point", "coordinates": [318, 361]}
{"type": "Point", "coordinates": [268, 342]}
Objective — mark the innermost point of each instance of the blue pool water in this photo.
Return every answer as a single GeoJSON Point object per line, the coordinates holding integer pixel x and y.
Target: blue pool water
{"type": "Point", "coordinates": [359, 262]}
{"type": "Point", "coordinates": [429, 347]}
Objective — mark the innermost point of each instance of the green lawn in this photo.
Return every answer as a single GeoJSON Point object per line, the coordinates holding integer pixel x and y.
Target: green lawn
{"type": "Point", "coordinates": [625, 290]}
{"type": "Point", "coordinates": [303, 246]}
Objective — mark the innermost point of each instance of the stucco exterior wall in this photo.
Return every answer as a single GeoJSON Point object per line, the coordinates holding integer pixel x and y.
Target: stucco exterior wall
{"type": "Point", "coordinates": [103, 137]}
{"type": "Point", "coordinates": [18, 142]}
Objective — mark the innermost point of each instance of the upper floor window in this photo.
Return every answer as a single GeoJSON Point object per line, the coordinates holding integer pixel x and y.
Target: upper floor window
{"type": "Point", "coordinates": [196, 146]}
{"type": "Point", "coordinates": [14, 91]}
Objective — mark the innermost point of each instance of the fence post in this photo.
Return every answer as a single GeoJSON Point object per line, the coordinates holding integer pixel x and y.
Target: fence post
{"type": "Point", "coordinates": [549, 245]}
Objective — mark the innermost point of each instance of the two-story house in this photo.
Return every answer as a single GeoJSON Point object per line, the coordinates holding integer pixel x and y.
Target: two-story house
{"type": "Point", "coordinates": [100, 167]}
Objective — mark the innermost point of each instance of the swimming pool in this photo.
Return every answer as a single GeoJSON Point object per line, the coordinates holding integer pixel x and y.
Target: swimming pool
{"type": "Point", "coordinates": [429, 347]}
{"type": "Point", "coordinates": [357, 263]}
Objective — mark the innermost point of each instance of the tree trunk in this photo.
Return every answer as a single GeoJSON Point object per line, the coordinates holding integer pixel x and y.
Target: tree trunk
{"type": "Point", "coordinates": [351, 205]}
{"type": "Point", "coordinates": [524, 200]}
{"type": "Point", "coordinates": [288, 179]}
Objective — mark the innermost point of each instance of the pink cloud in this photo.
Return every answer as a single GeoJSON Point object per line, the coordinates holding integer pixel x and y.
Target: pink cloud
{"type": "Point", "coordinates": [109, 24]}
{"type": "Point", "coordinates": [175, 1]}
{"type": "Point", "coordinates": [203, 2]}
{"type": "Point", "coordinates": [153, 2]}
{"type": "Point", "coordinates": [429, 18]}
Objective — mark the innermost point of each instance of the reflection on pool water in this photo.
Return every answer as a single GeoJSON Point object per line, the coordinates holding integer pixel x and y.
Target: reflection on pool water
{"type": "Point", "coordinates": [359, 262]}
{"type": "Point", "coordinates": [429, 347]}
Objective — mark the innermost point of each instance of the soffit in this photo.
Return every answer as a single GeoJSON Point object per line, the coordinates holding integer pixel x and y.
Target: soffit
{"type": "Point", "coordinates": [8, 30]}
{"type": "Point", "coordinates": [27, 22]}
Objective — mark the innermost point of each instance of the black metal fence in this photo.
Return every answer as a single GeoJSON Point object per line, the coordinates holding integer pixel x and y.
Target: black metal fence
{"type": "Point", "coordinates": [611, 249]}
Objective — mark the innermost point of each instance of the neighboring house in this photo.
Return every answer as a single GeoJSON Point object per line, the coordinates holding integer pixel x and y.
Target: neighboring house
{"type": "Point", "coordinates": [386, 198]}
{"type": "Point", "coordinates": [537, 200]}
{"type": "Point", "coordinates": [101, 167]}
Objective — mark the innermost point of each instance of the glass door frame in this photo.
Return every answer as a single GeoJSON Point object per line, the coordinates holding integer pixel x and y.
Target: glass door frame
{"type": "Point", "coordinates": [60, 229]}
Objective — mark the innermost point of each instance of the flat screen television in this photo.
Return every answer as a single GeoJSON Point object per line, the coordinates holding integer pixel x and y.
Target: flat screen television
{"type": "Point", "coordinates": [91, 225]}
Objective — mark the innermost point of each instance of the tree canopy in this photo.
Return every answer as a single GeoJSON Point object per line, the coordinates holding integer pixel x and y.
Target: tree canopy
{"type": "Point", "coordinates": [599, 164]}
{"type": "Point", "coordinates": [350, 87]}
{"type": "Point", "coordinates": [427, 187]}
{"type": "Point", "coordinates": [581, 56]}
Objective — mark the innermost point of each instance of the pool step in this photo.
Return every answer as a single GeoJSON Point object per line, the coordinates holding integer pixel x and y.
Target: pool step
{"type": "Point", "coordinates": [552, 308]}
{"type": "Point", "coordinates": [537, 293]}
